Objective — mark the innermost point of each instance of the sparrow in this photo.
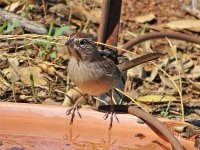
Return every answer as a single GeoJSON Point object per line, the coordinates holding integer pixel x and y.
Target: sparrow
{"type": "Point", "coordinates": [92, 73]}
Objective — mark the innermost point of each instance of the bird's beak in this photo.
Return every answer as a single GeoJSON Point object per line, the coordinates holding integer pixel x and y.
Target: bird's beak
{"type": "Point", "coordinates": [73, 51]}
{"type": "Point", "coordinates": [69, 41]}
{"type": "Point", "coordinates": [68, 45]}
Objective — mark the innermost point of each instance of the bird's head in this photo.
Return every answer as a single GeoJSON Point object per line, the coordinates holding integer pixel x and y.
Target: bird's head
{"type": "Point", "coordinates": [81, 46]}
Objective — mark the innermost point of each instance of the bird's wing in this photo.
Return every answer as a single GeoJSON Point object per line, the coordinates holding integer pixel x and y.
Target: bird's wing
{"type": "Point", "coordinates": [109, 66]}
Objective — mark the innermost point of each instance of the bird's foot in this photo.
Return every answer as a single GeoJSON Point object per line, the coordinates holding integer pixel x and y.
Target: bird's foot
{"type": "Point", "coordinates": [75, 108]}
{"type": "Point", "coordinates": [72, 111]}
{"type": "Point", "coordinates": [112, 113]}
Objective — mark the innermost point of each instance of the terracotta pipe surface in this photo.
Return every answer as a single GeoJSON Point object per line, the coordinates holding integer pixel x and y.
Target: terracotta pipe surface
{"type": "Point", "coordinates": [45, 126]}
{"type": "Point", "coordinates": [157, 126]}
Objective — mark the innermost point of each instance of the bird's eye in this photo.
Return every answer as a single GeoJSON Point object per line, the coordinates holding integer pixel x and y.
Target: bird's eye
{"type": "Point", "coordinates": [83, 42]}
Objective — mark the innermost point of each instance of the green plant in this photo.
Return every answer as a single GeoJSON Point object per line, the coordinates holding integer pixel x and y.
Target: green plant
{"type": "Point", "coordinates": [7, 27]}
{"type": "Point", "coordinates": [11, 26]}
{"type": "Point", "coordinates": [46, 45]}
{"type": "Point", "coordinates": [3, 26]}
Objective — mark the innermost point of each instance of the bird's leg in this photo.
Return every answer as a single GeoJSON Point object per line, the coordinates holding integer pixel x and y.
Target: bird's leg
{"type": "Point", "coordinates": [111, 112]}
{"type": "Point", "coordinates": [75, 108]}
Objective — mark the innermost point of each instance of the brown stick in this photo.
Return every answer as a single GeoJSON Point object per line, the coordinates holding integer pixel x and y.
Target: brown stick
{"type": "Point", "coordinates": [104, 21]}
{"type": "Point", "coordinates": [27, 24]}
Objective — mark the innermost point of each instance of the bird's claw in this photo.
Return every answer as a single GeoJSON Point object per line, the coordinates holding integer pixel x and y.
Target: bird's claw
{"type": "Point", "coordinates": [112, 113]}
{"type": "Point", "coordinates": [68, 112]}
{"type": "Point", "coordinates": [75, 108]}
{"type": "Point", "coordinates": [72, 111]}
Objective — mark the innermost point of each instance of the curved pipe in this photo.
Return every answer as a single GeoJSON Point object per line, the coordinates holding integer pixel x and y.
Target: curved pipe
{"type": "Point", "coordinates": [158, 35]}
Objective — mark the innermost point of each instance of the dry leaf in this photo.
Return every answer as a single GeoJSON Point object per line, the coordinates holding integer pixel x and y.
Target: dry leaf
{"type": "Point", "coordinates": [155, 98]}
{"type": "Point", "coordinates": [153, 74]}
{"type": "Point", "coordinates": [15, 7]}
{"type": "Point", "coordinates": [188, 64]}
{"type": "Point", "coordinates": [11, 72]}
{"type": "Point", "coordinates": [82, 13]}
{"type": "Point", "coordinates": [3, 83]}
{"type": "Point", "coordinates": [51, 70]}
{"type": "Point", "coordinates": [3, 87]}
{"type": "Point", "coordinates": [137, 71]}
{"type": "Point", "coordinates": [79, 12]}
{"type": "Point", "coordinates": [184, 24]}
{"type": "Point", "coordinates": [60, 9]}
{"type": "Point", "coordinates": [145, 18]}
{"type": "Point", "coordinates": [196, 69]}
{"type": "Point", "coordinates": [195, 73]}
{"type": "Point", "coordinates": [37, 76]}
{"type": "Point", "coordinates": [167, 82]}
{"type": "Point", "coordinates": [43, 66]}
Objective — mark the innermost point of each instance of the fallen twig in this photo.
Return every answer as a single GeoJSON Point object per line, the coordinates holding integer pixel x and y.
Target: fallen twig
{"type": "Point", "coordinates": [27, 24]}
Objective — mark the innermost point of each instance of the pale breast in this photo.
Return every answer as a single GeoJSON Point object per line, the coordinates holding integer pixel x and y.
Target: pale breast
{"type": "Point", "coordinates": [91, 78]}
